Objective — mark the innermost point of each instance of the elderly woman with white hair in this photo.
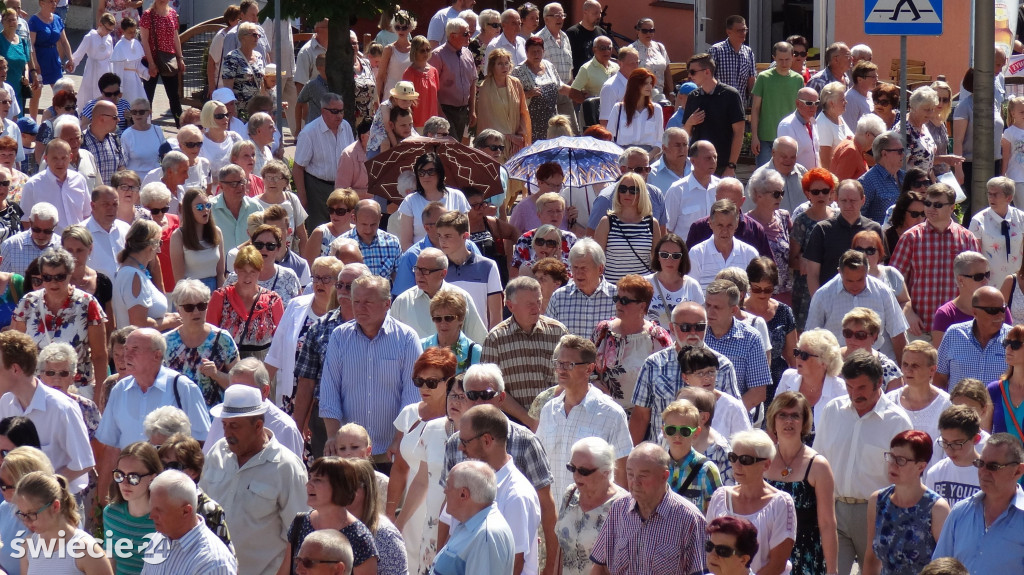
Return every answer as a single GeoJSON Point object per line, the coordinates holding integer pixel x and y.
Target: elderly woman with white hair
{"type": "Point", "coordinates": [142, 140]}
{"type": "Point", "coordinates": [832, 128]}
{"type": "Point", "coordinates": [922, 151]}
{"type": "Point", "coordinates": [219, 139]}
{"type": "Point", "coordinates": [199, 350]}
{"type": "Point", "coordinates": [190, 143]}
{"type": "Point", "coordinates": [818, 362]}
{"type": "Point", "coordinates": [137, 300]}
{"type": "Point", "coordinates": [766, 189]}
{"type": "Point", "coordinates": [56, 366]}
{"type": "Point", "coordinates": [243, 155]}
{"type": "Point", "coordinates": [156, 198]}
{"type": "Point", "coordinates": [242, 69]}
{"type": "Point", "coordinates": [586, 503]}
{"type": "Point", "coordinates": [164, 422]}
{"type": "Point", "coordinates": [752, 498]}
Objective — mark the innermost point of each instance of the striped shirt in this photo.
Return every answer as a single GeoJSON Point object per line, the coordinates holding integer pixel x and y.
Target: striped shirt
{"type": "Point", "coordinates": [349, 392]}
{"type": "Point", "coordinates": [120, 525]}
{"type": "Point", "coordinates": [743, 346]}
{"type": "Point", "coordinates": [628, 248]}
{"type": "Point", "coordinates": [524, 356]}
{"type": "Point", "coordinates": [705, 483]}
{"type": "Point", "coordinates": [317, 149]}
{"type": "Point", "coordinates": [629, 544]}
{"type": "Point", "coordinates": [19, 250]}
{"type": "Point", "coordinates": [197, 552]}
{"type": "Point", "coordinates": [924, 256]}
{"type": "Point", "coordinates": [580, 313]}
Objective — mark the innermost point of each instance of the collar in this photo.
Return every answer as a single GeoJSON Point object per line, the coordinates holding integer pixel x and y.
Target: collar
{"type": "Point", "coordinates": [271, 453]}
{"type": "Point", "coordinates": [387, 328]}
{"type": "Point", "coordinates": [420, 293]}
{"type": "Point", "coordinates": [38, 401]}
{"type": "Point", "coordinates": [928, 227]}
{"type": "Point", "coordinates": [660, 510]}
{"type": "Point", "coordinates": [603, 287]}
{"type": "Point", "coordinates": [474, 522]}
{"type": "Point", "coordinates": [591, 399]}
{"type": "Point", "coordinates": [978, 499]}
{"type": "Point", "coordinates": [192, 534]}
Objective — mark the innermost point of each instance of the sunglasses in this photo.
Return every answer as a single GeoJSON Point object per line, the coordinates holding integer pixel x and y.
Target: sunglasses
{"type": "Point", "coordinates": [55, 373]}
{"type": "Point", "coordinates": [723, 551]}
{"type": "Point", "coordinates": [69, 107]}
{"type": "Point", "coordinates": [682, 430]}
{"type": "Point", "coordinates": [221, 116]}
{"type": "Point", "coordinates": [581, 470]}
{"type": "Point", "coordinates": [799, 54]}
{"type": "Point", "coordinates": [945, 100]}
{"type": "Point", "coordinates": [819, 191]}
{"type": "Point", "coordinates": [647, 30]}
{"type": "Point", "coordinates": [761, 290]}
{"type": "Point", "coordinates": [688, 327]}
{"type": "Point", "coordinates": [340, 212]}
{"type": "Point", "coordinates": [36, 230]}
{"type": "Point", "coordinates": [431, 382]}
{"type": "Point", "coordinates": [494, 25]}
{"type": "Point", "coordinates": [978, 276]}
{"type": "Point", "coordinates": [191, 145]}
{"type": "Point", "coordinates": [812, 103]}
{"type": "Point", "coordinates": [132, 478]}
{"type": "Point", "coordinates": [670, 255]}
{"type": "Point", "coordinates": [565, 365]}
{"type": "Point", "coordinates": [745, 459]}
{"type": "Point", "coordinates": [540, 242]}
{"type": "Point", "coordinates": [921, 184]}
{"type": "Point", "coordinates": [5, 487]}
{"type": "Point", "coordinates": [899, 460]}
{"type": "Point", "coordinates": [112, 94]}
{"type": "Point", "coordinates": [269, 246]}
{"type": "Point", "coordinates": [191, 307]}
{"type": "Point", "coordinates": [641, 170]}
{"type": "Point", "coordinates": [173, 465]}
{"type": "Point", "coordinates": [859, 334]}
{"type": "Point", "coordinates": [444, 318]}
{"type": "Point", "coordinates": [158, 211]}
{"type": "Point", "coordinates": [630, 190]}
{"type": "Point", "coordinates": [203, 207]}
{"type": "Point", "coordinates": [991, 310]}
{"type": "Point", "coordinates": [992, 465]}
{"type": "Point", "coordinates": [883, 103]}
{"type": "Point", "coordinates": [624, 300]}
{"type": "Point", "coordinates": [915, 214]}
{"type": "Point", "coordinates": [803, 355]}
{"type": "Point", "coordinates": [334, 111]}
{"type": "Point", "coordinates": [343, 286]}
{"type": "Point", "coordinates": [496, 147]}
{"type": "Point", "coordinates": [47, 278]}
{"type": "Point", "coordinates": [308, 563]}
{"type": "Point", "coordinates": [401, 28]}
{"type": "Point", "coordinates": [139, 112]}
{"type": "Point", "coordinates": [1013, 344]}
{"type": "Point", "coordinates": [427, 173]}
{"type": "Point", "coordinates": [870, 251]}
{"type": "Point", "coordinates": [936, 205]}
{"type": "Point", "coordinates": [485, 395]}
{"type": "Point", "coordinates": [777, 194]}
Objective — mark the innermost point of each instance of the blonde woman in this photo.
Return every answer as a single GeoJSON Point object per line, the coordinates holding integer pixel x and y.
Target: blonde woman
{"type": "Point", "coordinates": [629, 230]}
{"type": "Point", "coordinates": [501, 104]}
{"type": "Point", "coordinates": [18, 463]}
{"type": "Point", "coordinates": [937, 125]}
{"type": "Point", "coordinates": [832, 128]}
{"type": "Point", "coordinates": [425, 78]}
{"type": "Point", "coordinates": [341, 205]}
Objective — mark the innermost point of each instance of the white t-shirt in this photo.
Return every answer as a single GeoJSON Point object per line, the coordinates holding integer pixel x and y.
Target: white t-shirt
{"type": "Point", "coordinates": [926, 419]}
{"type": "Point", "coordinates": [834, 387]}
{"type": "Point", "coordinates": [665, 300]}
{"type": "Point", "coordinates": [730, 416]}
{"type": "Point", "coordinates": [1015, 163]}
{"type": "Point", "coordinates": [413, 204]}
{"type": "Point", "coordinates": [142, 148]}
{"type": "Point", "coordinates": [951, 481]}
{"type": "Point", "coordinates": [830, 134]}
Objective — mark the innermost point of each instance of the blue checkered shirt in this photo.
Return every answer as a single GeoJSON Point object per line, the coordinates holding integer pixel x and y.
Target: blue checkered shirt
{"type": "Point", "coordinates": [580, 313]}
{"type": "Point", "coordinates": [822, 79]}
{"type": "Point", "coordinates": [742, 344]}
{"type": "Point", "coordinates": [310, 362]}
{"type": "Point", "coordinates": [526, 450]}
{"type": "Point", "coordinates": [961, 354]}
{"type": "Point", "coordinates": [381, 255]}
{"type": "Point", "coordinates": [661, 378]}
{"type": "Point", "coordinates": [880, 190]}
{"type": "Point", "coordinates": [734, 68]}
{"type": "Point", "coordinates": [19, 250]}
{"type": "Point", "coordinates": [109, 153]}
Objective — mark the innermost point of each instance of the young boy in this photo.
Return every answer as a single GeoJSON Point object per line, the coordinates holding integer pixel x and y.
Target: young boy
{"type": "Point", "coordinates": [472, 272]}
{"type": "Point", "coordinates": [691, 474]}
{"type": "Point", "coordinates": [955, 476]}
{"type": "Point", "coordinates": [308, 107]}
{"type": "Point", "coordinates": [707, 440]}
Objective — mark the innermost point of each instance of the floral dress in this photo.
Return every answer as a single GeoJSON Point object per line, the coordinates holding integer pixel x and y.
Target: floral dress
{"type": "Point", "coordinates": [284, 282]}
{"type": "Point", "coordinates": [577, 530]}
{"type": "Point", "coordinates": [522, 253]}
{"type": "Point", "coordinates": [799, 236]}
{"type": "Point", "coordinates": [778, 239]}
{"type": "Point", "coordinates": [920, 147]}
{"type": "Point", "coordinates": [544, 106]}
{"type": "Point", "coordinates": [70, 325]}
{"type": "Point", "coordinates": [903, 537]}
{"type": "Point", "coordinates": [366, 91]}
{"type": "Point", "coordinates": [478, 50]}
{"type": "Point", "coordinates": [620, 357]}
{"type": "Point", "coordinates": [251, 332]}
{"type": "Point", "coordinates": [246, 77]}
{"type": "Point", "coordinates": [218, 347]}
{"type": "Point", "coordinates": [466, 351]}
{"type": "Point", "coordinates": [808, 557]}
{"type": "Point", "coordinates": [431, 444]}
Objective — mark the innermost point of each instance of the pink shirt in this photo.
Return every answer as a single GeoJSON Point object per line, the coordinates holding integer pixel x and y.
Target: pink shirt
{"type": "Point", "coordinates": [427, 83]}
{"type": "Point", "coordinates": [352, 168]}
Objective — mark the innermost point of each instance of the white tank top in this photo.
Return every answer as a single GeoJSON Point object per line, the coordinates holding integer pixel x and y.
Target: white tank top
{"type": "Point", "coordinates": [57, 565]}
{"type": "Point", "coordinates": [396, 67]}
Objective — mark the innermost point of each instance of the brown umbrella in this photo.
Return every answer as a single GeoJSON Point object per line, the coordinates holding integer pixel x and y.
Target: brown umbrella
{"type": "Point", "coordinates": [464, 167]}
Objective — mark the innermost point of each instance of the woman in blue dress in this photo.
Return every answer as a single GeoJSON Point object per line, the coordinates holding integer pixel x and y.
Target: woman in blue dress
{"type": "Point", "coordinates": [46, 31]}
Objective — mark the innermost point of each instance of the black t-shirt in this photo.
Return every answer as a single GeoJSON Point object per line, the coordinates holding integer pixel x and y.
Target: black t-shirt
{"type": "Point", "coordinates": [830, 239]}
{"type": "Point", "coordinates": [722, 108]}
{"type": "Point", "coordinates": [581, 41]}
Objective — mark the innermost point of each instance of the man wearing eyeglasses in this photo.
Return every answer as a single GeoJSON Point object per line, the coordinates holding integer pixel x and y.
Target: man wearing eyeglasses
{"type": "Point", "coordinates": [832, 237]}
{"type": "Point", "coordinates": [19, 250]}
{"type": "Point", "coordinates": [102, 141]}
{"type": "Point", "coordinates": [735, 60]}
{"type": "Point", "coordinates": [558, 51]}
{"type": "Point", "coordinates": [800, 126]}
{"type": "Point", "coordinates": [882, 183]}
{"type": "Point", "coordinates": [317, 149]}
{"type": "Point", "coordinates": [108, 232]}
{"type": "Point", "coordinates": [837, 62]}
{"type": "Point", "coordinates": [978, 529]}
{"type": "Point", "coordinates": [975, 348]}
{"type": "Point", "coordinates": [232, 207]}
{"type": "Point", "coordinates": [58, 186]}
{"type": "Point", "coordinates": [412, 306]}
{"type": "Point", "coordinates": [457, 75]}
{"type": "Point", "coordinates": [405, 272]}
{"type": "Point", "coordinates": [324, 551]}
{"type": "Point", "coordinates": [855, 431]}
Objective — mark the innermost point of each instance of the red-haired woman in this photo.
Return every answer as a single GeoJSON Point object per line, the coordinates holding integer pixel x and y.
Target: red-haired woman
{"type": "Point", "coordinates": [819, 184]}
{"type": "Point", "coordinates": [731, 546]}
{"type": "Point", "coordinates": [636, 121]}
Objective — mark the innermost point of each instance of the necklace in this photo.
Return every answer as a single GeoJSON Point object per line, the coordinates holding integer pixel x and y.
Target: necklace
{"type": "Point", "coordinates": [789, 464]}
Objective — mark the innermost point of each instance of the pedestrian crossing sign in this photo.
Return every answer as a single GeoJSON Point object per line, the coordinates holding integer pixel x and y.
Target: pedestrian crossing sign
{"type": "Point", "coordinates": [903, 17]}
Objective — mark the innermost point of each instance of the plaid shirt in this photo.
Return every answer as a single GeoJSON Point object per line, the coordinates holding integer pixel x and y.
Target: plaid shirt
{"type": "Point", "coordinates": [108, 153]}
{"type": "Point", "coordinates": [381, 255]}
{"type": "Point", "coordinates": [19, 250]}
{"type": "Point", "coordinates": [734, 68]}
{"type": "Point", "coordinates": [823, 78]}
{"type": "Point", "coordinates": [881, 190]}
{"type": "Point", "coordinates": [661, 378]}
{"type": "Point", "coordinates": [559, 55]}
{"type": "Point", "coordinates": [925, 258]}
{"type": "Point", "coordinates": [703, 485]}
{"type": "Point", "coordinates": [580, 313]}
{"type": "Point", "coordinates": [526, 450]}
{"type": "Point", "coordinates": [310, 362]}
{"type": "Point", "coordinates": [961, 354]}
{"type": "Point", "coordinates": [671, 541]}
{"type": "Point", "coordinates": [524, 357]}
{"type": "Point", "coordinates": [743, 346]}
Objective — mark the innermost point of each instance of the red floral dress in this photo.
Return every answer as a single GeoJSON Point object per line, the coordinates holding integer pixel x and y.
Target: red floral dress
{"type": "Point", "coordinates": [162, 30]}
{"type": "Point", "coordinates": [70, 325]}
{"type": "Point", "coordinates": [229, 312]}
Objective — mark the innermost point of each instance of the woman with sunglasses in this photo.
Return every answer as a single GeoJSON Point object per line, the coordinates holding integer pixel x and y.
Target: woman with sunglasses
{"type": "Point", "coordinates": [341, 205]}
{"type": "Point", "coordinates": [18, 463]}
{"type": "Point", "coordinates": [937, 125]}
{"type": "Point", "coordinates": [276, 176]}
{"type": "Point", "coordinates": [818, 185]}
{"type": "Point", "coordinates": [249, 312]}
{"type": "Point", "coordinates": [670, 265]}
{"type": "Point", "coordinates": [626, 341]}
{"type": "Point", "coordinates": [872, 246]}
{"type": "Point", "coordinates": [61, 312]}
{"type": "Point", "coordinates": [908, 210]}
{"type": "Point", "coordinates": [197, 349]}
{"type": "Point", "coordinates": [396, 56]}
{"type": "Point", "coordinates": [197, 247]}
{"type": "Point", "coordinates": [137, 300]}
{"type": "Point", "coordinates": [971, 270]}
{"type": "Point", "coordinates": [653, 57]}
{"type": "Point", "coordinates": [300, 313]}
{"type": "Point", "coordinates": [886, 98]}
{"type": "Point", "coordinates": [488, 232]}
{"type": "Point", "coordinates": [218, 140]}
{"type": "Point", "coordinates": [585, 506]}
{"type": "Point", "coordinates": [280, 279]}
{"type": "Point", "coordinates": [430, 187]}
{"type": "Point", "coordinates": [490, 28]}
{"type": "Point", "coordinates": [763, 279]}
{"type": "Point", "coordinates": [807, 477]}
{"type": "Point", "coordinates": [766, 190]}
{"type": "Point", "coordinates": [698, 368]}
{"type": "Point", "coordinates": [818, 362]}
{"type": "Point", "coordinates": [183, 452]}
{"type": "Point", "coordinates": [731, 545]}
{"type": "Point", "coordinates": [629, 231]}
{"type": "Point", "coordinates": [770, 510]}
{"type": "Point", "coordinates": [156, 199]}
{"type": "Point", "coordinates": [690, 473]}
{"type": "Point", "coordinates": [50, 513]}
{"type": "Point", "coordinates": [527, 215]}
{"type": "Point", "coordinates": [906, 518]}
{"type": "Point", "coordinates": [448, 310]}
{"type": "Point", "coordinates": [1008, 391]}
{"type": "Point", "coordinates": [243, 68]}
{"type": "Point", "coordinates": [547, 243]}
{"type": "Point", "coordinates": [861, 327]}
{"type": "Point", "coordinates": [127, 515]}
{"type": "Point", "coordinates": [430, 375]}
{"type": "Point", "coordinates": [142, 140]}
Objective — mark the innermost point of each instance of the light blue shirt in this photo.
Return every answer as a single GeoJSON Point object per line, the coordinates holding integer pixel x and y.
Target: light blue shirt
{"type": "Point", "coordinates": [128, 406]}
{"type": "Point", "coordinates": [235, 230]}
{"type": "Point", "coordinates": [481, 545]}
{"type": "Point", "coordinates": [369, 381]}
{"type": "Point", "coordinates": [662, 177]}
{"type": "Point", "coordinates": [10, 527]}
{"type": "Point", "coordinates": [997, 548]}
{"type": "Point", "coordinates": [830, 303]}
{"type": "Point", "coordinates": [198, 552]}
{"type": "Point", "coordinates": [405, 276]}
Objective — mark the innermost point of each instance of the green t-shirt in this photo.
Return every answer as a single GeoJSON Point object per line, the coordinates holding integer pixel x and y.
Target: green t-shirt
{"type": "Point", "coordinates": [778, 100]}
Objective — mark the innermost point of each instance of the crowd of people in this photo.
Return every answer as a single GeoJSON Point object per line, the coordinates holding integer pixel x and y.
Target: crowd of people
{"type": "Point", "coordinates": [240, 366]}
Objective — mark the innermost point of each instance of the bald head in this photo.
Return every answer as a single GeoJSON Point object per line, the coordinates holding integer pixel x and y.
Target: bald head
{"type": "Point", "coordinates": [650, 453]}
{"type": "Point", "coordinates": [104, 118]}
{"type": "Point", "coordinates": [730, 189]}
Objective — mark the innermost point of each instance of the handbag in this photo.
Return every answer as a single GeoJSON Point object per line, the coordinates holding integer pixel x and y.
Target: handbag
{"type": "Point", "coordinates": [166, 63]}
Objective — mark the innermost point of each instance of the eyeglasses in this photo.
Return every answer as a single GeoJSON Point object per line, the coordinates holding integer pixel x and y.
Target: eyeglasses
{"type": "Point", "coordinates": [55, 373]}
{"type": "Point", "coordinates": [112, 94]}
{"type": "Point", "coordinates": [232, 183]}
{"type": "Point", "coordinates": [992, 465]}
{"type": "Point", "coordinates": [541, 242]}
{"type": "Point", "coordinates": [789, 416]}
{"type": "Point", "coordinates": [343, 286]}
{"type": "Point", "coordinates": [624, 300]}
{"type": "Point", "coordinates": [899, 460]}
{"type": "Point", "coordinates": [859, 334]}
{"type": "Point", "coordinates": [173, 465]}
{"type": "Point", "coordinates": [581, 470]}
{"type": "Point", "coordinates": [819, 191]}
{"type": "Point", "coordinates": [221, 116]}
{"type": "Point", "coordinates": [553, 184]}
{"type": "Point", "coordinates": [641, 170]}
{"type": "Point", "coordinates": [494, 25]}
{"type": "Point", "coordinates": [485, 395]}
{"type": "Point", "coordinates": [431, 382]}
{"type": "Point", "coordinates": [444, 318]}
{"type": "Point", "coordinates": [991, 309]}
{"type": "Point", "coordinates": [191, 145]}
{"type": "Point", "coordinates": [953, 445]}
{"type": "Point", "coordinates": [269, 246]}
{"type": "Point", "coordinates": [869, 251]}
{"type": "Point", "coordinates": [158, 211]}
{"type": "Point", "coordinates": [128, 188]}
{"type": "Point", "coordinates": [670, 255]}
{"type": "Point", "coordinates": [33, 515]}
{"type": "Point", "coordinates": [456, 396]}
{"type": "Point", "coordinates": [921, 184]}
{"type": "Point", "coordinates": [427, 173]}
{"type": "Point", "coordinates": [682, 430]}
{"type": "Point", "coordinates": [812, 103]}
{"type": "Point", "coordinates": [191, 307]}
{"type": "Point", "coordinates": [565, 365]}
{"type": "Point", "coordinates": [647, 30]}
{"type": "Point", "coordinates": [496, 147]}
{"type": "Point", "coordinates": [47, 278]}
{"type": "Point", "coordinates": [799, 54]}
{"type": "Point", "coordinates": [745, 459]}
{"type": "Point", "coordinates": [465, 442]}
{"type": "Point", "coordinates": [915, 214]}
{"type": "Point", "coordinates": [603, 48]}
{"type": "Point", "coordinates": [707, 373]}
{"type": "Point", "coordinates": [723, 551]}
{"type": "Point", "coordinates": [936, 205]}
{"type": "Point", "coordinates": [334, 111]}
{"type": "Point", "coordinates": [139, 112]}
{"type": "Point", "coordinates": [897, 150]}
{"type": "Point", "coordinates": [699, 327]}
{"type": "Point", "coordinates": [761, 290]}
{"type": "Point", "coordinates": [1014, 344]}
{"type": "Point", "coordinates": [203, 207]}
{"type": "Point", "coordinates": [36, 230]}
{"type": "Point", "coordinates": [630, 190]}
{"type": "Point", "coordinates": [340, 212]}
{"type": "Point", "coordinates": [132, 478]}
{"type": "Point", "coordinates": [401, 27]}
{"type": "Point", "coordinates": [308, 563]}
{"type": "Point", "coordinates": [982, 276]}
{"type": "Point", "coordinates": [803, 355]}
{"type": "Point", "coordinates": [426, 271]}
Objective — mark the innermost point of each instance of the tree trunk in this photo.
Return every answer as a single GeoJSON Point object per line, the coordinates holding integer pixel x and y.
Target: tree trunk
{"type": "Point", "coordinates": [340, 74]}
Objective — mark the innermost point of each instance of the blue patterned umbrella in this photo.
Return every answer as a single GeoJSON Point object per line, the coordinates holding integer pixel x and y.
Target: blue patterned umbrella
{"type": "Point", "coordinates": [584, 160]}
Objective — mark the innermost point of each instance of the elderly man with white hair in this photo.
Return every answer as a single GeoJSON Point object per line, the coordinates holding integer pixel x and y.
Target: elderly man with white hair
{"type": "Point", "coordinates": [850, 158]}
{"type": "Point", "coordinates": [327, 551]}
{"type": "Point", "coordinates": [456, 71]}
{"type": "Point", "coordinates": [1000, 231]}
{"type": "Point", "coordinates": [163, 422]}
{"type": "Point", "coordinates": [19, 250]}
{"type": "Point", "coordinates": [588, 299]}
{"type": "Point", "coordinates": [783, 161]}
{"type": "Point", "coordinates": [68, 128]}
{"type": "Point", "coordinates": [64, 189]}
{"type": "Point", "coordinates": [509, 39]}
{"type": "Point", "coordinates": [412, 306]}
{"type": "Point", "coordinates": [184, 544]}
{"type": "Point", "coordinates": [482, 542]}
{"type": "Point", "coordinates": [860, 53]}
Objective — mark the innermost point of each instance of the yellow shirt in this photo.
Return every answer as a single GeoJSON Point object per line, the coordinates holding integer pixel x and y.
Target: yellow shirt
{"type": "Point", "coordinates": [592, 76]}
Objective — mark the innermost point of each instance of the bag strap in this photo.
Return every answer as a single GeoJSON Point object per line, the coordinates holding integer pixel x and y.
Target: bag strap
{"type": "Point", "coordinates": [177, 396]}
{"type": "Point", "coordinates": [293, 538]}
{"type": "Point", "coordinates": [1013, 290]}
{"type": "Point", "coordinates": [614, 221]}
{"type": "Point", "coordinates": [248, 320]}
{"type": "Point", "coordinates": [694, 471]}
{"type": "Point", "coordinates": [618, 120]}
{"type": "Point", "coordinates": [664, 302]}
{"type": "Point", "coordinates": [1009, 407]}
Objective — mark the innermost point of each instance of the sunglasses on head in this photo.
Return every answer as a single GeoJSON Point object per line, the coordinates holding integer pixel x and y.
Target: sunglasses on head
{"type": "Point", "coordinates": [819, 191]}
{"type": "Point", "coordinates": [630, 190]}
{"type": "Point", "coordinates": [158, 211]}
{"type": "Point", "coordinates": [191, 307]}
{"type": "Point", "coordinates": [991, 310]}
{"type": "Point", "coordinates": [859, 334]}
{"type": "Point", "coordinates": [978, 277]}
{"type": "Point", "coordinates": [723, 551]}
{"type": "Point", "coordinates": [546, 243]}
{"type": "Point", "coordinates": [269, 246]}
{"type": "Point", "coordinates": [1014, 344]}
{"type": "Point", "coordinates": [340, 212]}
{"type": "Point", "coordinates": [47, 278]}
{"type": "Point", "coordinates": [745, 459]}
{"type": "Point", "coordinates": [682, 430]}
{"type": "Point", "coordinates": [688, 327]}
{"type": "Point", "coordinates": [430, 382]}
{"type": "Point", "coordinates": [55, 373]}
{"type": "Point", "coordinates": [803, 355]}
{"type": "Point", "coordinates": [132, 478]}
{"type": "Point", "coordinates": [581, 470]}
{"type": "Point", "coordinates": [485, 395]}
{"type": "Point", "coordinates": [936, 205]}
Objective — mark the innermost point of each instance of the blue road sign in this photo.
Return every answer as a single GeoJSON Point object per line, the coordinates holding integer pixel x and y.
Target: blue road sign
{"type": "Point", "coordinates": [903, 17]}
